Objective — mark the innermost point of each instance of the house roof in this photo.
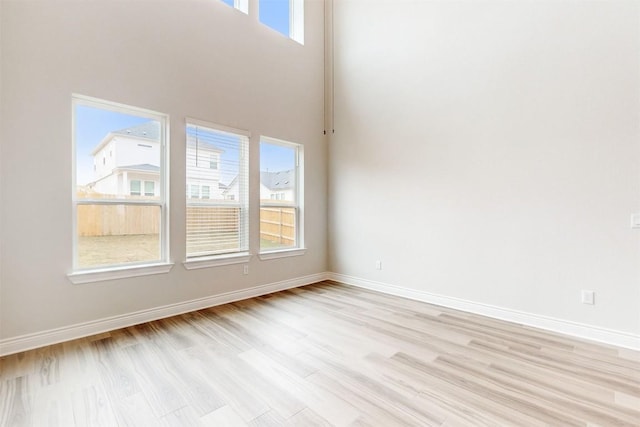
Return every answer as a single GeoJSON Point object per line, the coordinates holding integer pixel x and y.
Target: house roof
{"type": "Point", "coordinates": [149, 131]}
{"type": "Point", "coordinates": [281, 180]}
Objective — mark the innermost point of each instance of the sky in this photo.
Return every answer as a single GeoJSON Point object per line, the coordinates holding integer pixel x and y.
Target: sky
{"type": "Point", "coordinates": [274, 13]}
{"type": "Point", "coordinates": [93, 124]}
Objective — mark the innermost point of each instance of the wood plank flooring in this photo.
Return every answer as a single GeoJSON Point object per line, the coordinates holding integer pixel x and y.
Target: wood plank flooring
{"type": "Point", "coordinates": [322, 355]}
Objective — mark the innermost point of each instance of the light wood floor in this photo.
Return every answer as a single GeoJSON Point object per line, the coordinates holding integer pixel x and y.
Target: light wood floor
{"type": "Point", "coordinates": [324, 355]}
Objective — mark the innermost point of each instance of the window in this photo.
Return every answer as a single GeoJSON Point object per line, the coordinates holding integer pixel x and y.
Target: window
{"type": "Point", "coordinates": [284, 16]}
{"type": "Point", "coordinates": [280, 195]}
{"type": "Point", "coordinates": [115, 228]}
{"type": "Point", "coordinates": [134, 188]}
{"type": "Point", "coordinates": [195, 191]}
{"type": "Point", "coordinates": [149, 188]}
{"type": "Point", "coordinates": [217, 223]}
{"type": "Point", "coordinates": [241, 5]}
{"type": "Point", "coordinates": [213, 164]}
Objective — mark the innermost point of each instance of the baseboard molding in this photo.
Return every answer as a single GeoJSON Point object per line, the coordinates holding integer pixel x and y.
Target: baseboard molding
{"type": "Point", "coordinates": [54, 336]}
{"type": "Point", "coordinates": [67, 333]}
{"type": "Point", "coordinates": [574, 329]}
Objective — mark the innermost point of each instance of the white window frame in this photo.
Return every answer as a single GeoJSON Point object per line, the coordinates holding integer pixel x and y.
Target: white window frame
{"type": "Point", "coordinates": [227, 258]}
{"type": "Point", "coordinates": [299, 248]}
{"type": "Point", "coordinates": [296, 20]}
{"type": "Point", "coordinates": [79, 275]}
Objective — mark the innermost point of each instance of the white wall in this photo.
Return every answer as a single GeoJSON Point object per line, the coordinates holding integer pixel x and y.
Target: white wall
{"type": "Point", "coordinates": [490, 151]}
{"type": "Point", "coordinates": [199, 59]}
{"type": "Point", "coordinates": [132, 151]}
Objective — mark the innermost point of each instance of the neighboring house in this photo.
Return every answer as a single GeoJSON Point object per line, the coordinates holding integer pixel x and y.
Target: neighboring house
{"type": "Point", "coordinates": [277, 185]}
{"type": "Point", "coordinates": [127, 163]}
{"type": "Point", "coordinates": [203, 170]}
{"type": "Point", "coordinates": [273, 186]}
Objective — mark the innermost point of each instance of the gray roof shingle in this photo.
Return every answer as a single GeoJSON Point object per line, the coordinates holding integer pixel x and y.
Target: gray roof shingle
{"type": "Point", "coordinates": [281, 180]}
{"type": "Point", "coordinates": [148, 130]}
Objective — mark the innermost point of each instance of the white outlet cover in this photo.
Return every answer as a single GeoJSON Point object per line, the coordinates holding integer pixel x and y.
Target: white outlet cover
{"type": "Point", "coordinates": [635, 220]}
{"type": "Point", "coordinates": [588, 297]}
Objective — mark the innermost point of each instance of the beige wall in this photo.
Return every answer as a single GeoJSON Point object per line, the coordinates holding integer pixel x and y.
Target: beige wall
{"type": "Point", "coordinates": [484, 150]}
{"type": "Point", "coordinates": [198, 59]}
{"type": "Point", "coordinates": [490, 151]}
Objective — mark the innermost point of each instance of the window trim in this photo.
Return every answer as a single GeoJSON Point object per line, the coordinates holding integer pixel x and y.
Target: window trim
{"type": "Point", "coordinates": [134, 270]}
{"type": "Point", "coordinates": [282, 253]}
{"type": "Point", "coordinates": [296, 20]}
{"type": "Point", "coordinates": [299, 249]}
{"type": "Point", "coordinates": [79, 275]}
{"type": "Point", "coordinates": [217, 260]}
{"type": "Point", "coordinates": [226, 258]}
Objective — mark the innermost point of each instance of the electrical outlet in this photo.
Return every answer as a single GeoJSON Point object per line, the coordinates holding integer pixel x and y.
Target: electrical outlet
{"type": "Point", "coordinates": [378, 265]}
{"type": "Point", "coordinates": [635, 220]}
{"type": "Point", "coordinates": [245, 269]}
{"type": "Point", "coordinates": [588, 297]}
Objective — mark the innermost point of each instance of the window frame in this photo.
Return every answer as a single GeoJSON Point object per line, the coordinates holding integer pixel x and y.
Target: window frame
{"type": "Point", "coordinates": [79, 275]}
{"type": "Point", "coordinates": [299, 248]}
{"type": "Point", "coordinates": [236, 257]}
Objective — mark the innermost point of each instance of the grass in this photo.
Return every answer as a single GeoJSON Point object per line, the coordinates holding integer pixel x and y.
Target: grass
{"type": "Point", "coordinates": [95, 251]}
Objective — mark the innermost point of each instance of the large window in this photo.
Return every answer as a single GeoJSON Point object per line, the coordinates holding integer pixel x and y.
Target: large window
{"type": "Point", "coordinates": [119, 186]}
{"type": "Point", "coordinates": [280, 195]}
{"type": "Point", "coordinates": [284, 16]}
{"type": "Point", "coordinates": [217, 197]}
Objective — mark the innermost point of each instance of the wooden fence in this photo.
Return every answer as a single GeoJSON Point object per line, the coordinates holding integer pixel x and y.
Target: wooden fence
{"type": "Point", "coordinates": [278, 225]}
{"type": "Point", "coordinates": [118, 220]}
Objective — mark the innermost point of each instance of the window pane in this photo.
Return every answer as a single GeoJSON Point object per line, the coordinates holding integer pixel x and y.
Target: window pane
{"type": "Point", "coordinates": [277, 227]}
{"type": "Point", "coordinates": [149, 188]}
{"type": "Point", "coordinates": [277, 172]}
{"type": "Point", "coordinates": [275, 14]}
{"type": "Point", "coordinates": [115, 152]}
{"type": "Point", "coordinates": [279, 194]}
{"type": "Point", "coordinates": [118, 158]}
{"type": "Point", "coordinates": [194, 193]}
{"type": "Point", "coordinates": [117, 234]}
{"type": "Point", "coordinates": [217, 217]}
{"type": "Point", "coordinates": [229, 2]}
{"type": "Point", "coordinates": [134, 188]}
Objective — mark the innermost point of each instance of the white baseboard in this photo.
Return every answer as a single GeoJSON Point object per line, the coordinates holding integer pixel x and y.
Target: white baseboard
{"type": "Point", "coordinates": [67, 333]}
{"type": "Point", "coordinates": [579, 330]}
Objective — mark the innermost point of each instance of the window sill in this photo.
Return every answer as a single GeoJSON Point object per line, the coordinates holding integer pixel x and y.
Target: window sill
{"type": "Point", "coordinates": [98, 275]}
{"type": "Point", "coordinates": [216, 261]}
{"type": "Point", "coordinates": [282, 253]}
